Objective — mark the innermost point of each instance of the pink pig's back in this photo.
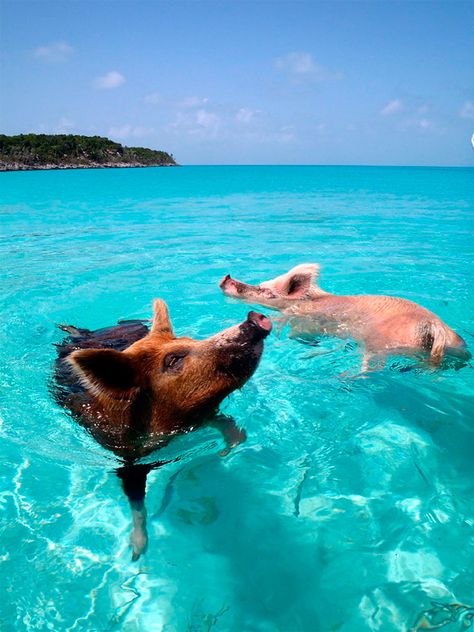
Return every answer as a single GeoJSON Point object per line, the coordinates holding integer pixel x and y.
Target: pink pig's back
{"type": "Point", "coordinates": [381, 322]}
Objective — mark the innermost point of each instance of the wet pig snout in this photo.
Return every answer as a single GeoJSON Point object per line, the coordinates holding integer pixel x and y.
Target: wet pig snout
{"type": "Point", "coordinates": [224, 281]}
{"type": "Point", "coordinates": [231, 286]}
{"type": "Point", "coordinates": [261, 322]}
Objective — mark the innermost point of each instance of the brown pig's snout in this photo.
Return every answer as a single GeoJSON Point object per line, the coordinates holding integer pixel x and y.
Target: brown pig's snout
{"type": "Point", "coordinates": [240, 349]}
{"type": "Point", "coordinates": [255, 328]}
{"type": "Point", "coordinates": [261, 322]}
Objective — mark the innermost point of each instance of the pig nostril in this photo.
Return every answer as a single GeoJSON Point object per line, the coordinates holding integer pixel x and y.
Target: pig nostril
{"type": "Point", "coordinates": [260, 320]}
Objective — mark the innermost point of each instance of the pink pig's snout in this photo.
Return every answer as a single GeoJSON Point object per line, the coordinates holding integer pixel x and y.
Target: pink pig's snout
{"type": "Point", "coordinates": [229, 286]}
{"type": "Point", "coordinates": [224, 281]}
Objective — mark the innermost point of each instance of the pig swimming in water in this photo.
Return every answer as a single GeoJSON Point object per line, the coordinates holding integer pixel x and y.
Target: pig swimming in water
{"type": "Point", "coordinates": [134, 388]}
{"type": "Point", "coordinates": [383, 325]}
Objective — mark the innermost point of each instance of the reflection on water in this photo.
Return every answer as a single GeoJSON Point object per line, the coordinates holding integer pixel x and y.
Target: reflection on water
{"type": "Point", "coordinates": [349, 507]}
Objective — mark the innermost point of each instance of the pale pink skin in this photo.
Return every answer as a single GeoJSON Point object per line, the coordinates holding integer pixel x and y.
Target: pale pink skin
{"type": "Point", "coordinates": [381, 324]}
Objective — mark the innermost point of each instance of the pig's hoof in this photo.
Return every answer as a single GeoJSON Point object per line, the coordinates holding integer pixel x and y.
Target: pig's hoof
{"type": "Point", "coordinates": [138, 542]}
{"type": "Point", "coordinates": [238, 436]}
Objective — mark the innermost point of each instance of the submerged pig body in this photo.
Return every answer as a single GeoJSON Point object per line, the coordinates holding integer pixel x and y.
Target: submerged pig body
{"type": "Point", "coordinates": [381, 324]}
{"type": "Point", "coordinates": [134, 387]}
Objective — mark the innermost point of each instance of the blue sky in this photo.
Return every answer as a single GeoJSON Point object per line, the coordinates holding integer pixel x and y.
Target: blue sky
{"type": "Point", "coordinates": [257, 82]}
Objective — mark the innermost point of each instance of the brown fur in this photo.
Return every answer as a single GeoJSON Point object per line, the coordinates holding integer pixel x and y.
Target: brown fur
{"type": "Point", "coordinates": [138, 388]}
{"type": "Point", "coordinates": [160, 384]}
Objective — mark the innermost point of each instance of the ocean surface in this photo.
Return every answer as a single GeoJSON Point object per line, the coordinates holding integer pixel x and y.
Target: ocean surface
{"type": "Point", "coordinates": [351, 505]}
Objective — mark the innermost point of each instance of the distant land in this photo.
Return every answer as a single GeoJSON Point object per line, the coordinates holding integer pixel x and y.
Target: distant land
{"type": "Point", "coordinates": [68, 151]}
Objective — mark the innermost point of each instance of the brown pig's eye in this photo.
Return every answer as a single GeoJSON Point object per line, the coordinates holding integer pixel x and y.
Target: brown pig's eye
{"type": "Point", "coordinates": [174, 361]}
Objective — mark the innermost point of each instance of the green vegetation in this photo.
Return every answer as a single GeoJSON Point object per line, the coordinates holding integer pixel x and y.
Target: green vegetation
{"type": "Point", "coordinates": [49, 151]}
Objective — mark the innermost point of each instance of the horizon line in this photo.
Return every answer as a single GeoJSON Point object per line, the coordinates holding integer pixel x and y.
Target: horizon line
{"type": "Point", "coordinates": [263, 164]}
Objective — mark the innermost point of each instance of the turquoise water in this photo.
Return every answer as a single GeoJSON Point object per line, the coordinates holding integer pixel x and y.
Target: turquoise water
{"type": "Point", "coordinates": [351, 505]}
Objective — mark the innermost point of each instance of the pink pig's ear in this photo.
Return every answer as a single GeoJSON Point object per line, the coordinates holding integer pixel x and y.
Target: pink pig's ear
{"type": "Point", "coordinates": [300, 278]}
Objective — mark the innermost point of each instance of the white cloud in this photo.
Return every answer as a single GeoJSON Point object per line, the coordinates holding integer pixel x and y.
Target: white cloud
{"type": "Point", "coordinates": [236, 125]}
{"type": "Point", "coordinates": [201, 123]}
{"type": "Point", "coordinates": [301, 66]}
{"type": "Point", "coordinates": [193, 102]}
{"type": "Point", "coordinates": [284, 135]}
{"type": "Point", "coordinates": [245, 115]}
{"type": "Point", "coordinates": [266, 133]}
{"type": "Point", "coordinates": [208, 121]}
{"type": "Point", "coordinates": [57, 51]}
{"type": "Point", "coordinates": [419, 124]}
{"type": "Point", "coordinates": [296, 63]}
{"type": "Point", "coordinates": [467, 110]}
{"type": "Point", "coordinates": [112, 79]}
{"type": "Point", "coordinates": [188, 103]}
{"type": "Point", "coordinates": [392, 107]}
{"type": "Point", "coordinates": [129, 131]}
{"type": "Point", "coordinates": [154, 98]}
{"type": "Point", "coordinates": [425, 124]}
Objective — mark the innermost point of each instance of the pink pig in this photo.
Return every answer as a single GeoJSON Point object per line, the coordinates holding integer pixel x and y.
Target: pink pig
{"type": "Point", "coordinates": [383, 325]}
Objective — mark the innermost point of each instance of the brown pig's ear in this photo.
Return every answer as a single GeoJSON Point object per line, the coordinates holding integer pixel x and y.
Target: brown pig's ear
{"type": "Point", "coordinates": [161, 319]}
{"type": "Point", "coordinates": [105, 372]}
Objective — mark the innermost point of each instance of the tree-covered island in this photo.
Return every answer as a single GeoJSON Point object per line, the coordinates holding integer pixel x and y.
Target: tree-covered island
{"type": "Point", "coordinates": [69, 151]}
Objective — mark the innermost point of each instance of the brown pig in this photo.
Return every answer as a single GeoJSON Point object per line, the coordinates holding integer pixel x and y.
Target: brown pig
{"type": "Point", "coordinates": [134, 388]}
{"type": "Point", "coordinates": [383, 325]}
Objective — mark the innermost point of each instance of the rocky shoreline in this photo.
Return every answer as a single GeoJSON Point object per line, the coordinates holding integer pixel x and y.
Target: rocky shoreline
{"type": "Point", "coordinates": [15, 166]}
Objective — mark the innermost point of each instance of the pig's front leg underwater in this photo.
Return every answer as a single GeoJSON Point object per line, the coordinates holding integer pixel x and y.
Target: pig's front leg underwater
{"type": "Point", "coordinates": [134, 476]}
{"type": "Point", "coordinates": [232, 434]}
{"type": "Point", "coordinates": [133, 479]}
